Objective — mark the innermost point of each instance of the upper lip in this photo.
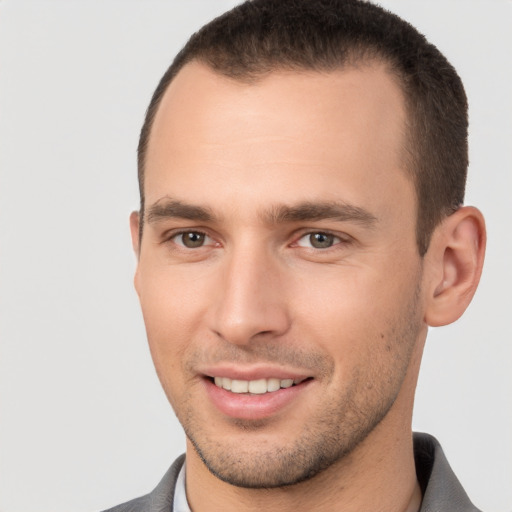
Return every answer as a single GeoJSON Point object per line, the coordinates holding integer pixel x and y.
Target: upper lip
{"type": "Point", "coordinates": [253, 372]}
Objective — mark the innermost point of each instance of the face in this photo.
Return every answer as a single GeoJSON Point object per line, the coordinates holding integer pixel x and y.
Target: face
{"type": "Point", "coordinates": [278, 271]}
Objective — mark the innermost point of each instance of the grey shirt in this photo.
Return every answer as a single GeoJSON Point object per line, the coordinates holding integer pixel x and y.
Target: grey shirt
{"type": "Point", "coordinates": [441, 490]}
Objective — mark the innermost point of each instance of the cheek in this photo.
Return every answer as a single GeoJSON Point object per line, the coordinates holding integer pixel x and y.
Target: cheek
{"type": "Point", "coordinates": [344, 300]}
{"type": "Point", "coordinates": [172, 309]}
{"type": "Point", "coordinates": [170, 299]}
{"type": "Point", "coordinates": [357, 316]}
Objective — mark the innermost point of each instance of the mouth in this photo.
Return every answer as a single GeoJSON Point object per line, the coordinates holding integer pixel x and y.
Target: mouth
{"type": "Point", "coordinates": [256, 397]}
{"type": "Point", "coordinates": [257, 386]}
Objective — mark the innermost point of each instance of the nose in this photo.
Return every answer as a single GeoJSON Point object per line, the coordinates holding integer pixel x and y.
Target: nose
{"type": "Point", "coordinates": [251, 302]}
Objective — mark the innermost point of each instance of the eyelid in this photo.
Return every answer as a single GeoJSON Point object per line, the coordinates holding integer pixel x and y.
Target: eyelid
{"type": "Point", "coordinates": [342, 238]}
{"type": "Point", "coordinates": [172, 234]}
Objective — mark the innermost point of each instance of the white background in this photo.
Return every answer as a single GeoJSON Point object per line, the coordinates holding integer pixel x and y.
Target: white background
{"type": "Point", "coordinates": [83, 422]}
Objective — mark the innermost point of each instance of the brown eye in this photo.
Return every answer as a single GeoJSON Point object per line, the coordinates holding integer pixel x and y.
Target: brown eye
{"type": "Point", "coordinates": [190, 239]}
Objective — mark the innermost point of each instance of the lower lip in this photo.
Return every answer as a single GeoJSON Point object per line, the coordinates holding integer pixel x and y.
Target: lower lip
{"type": "Point", "coordinates": [246, 406]}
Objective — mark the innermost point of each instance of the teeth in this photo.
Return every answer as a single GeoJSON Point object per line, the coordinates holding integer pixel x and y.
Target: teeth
{"type": "Point", "coordinates": [223, 382]}
{"type": "Point", "coordinates": [239, 386]}
{"type": "Point", "coordinates": [273, 384]}
{"type": "Point", "coordinates": [256, 387]}
{"type": "Point", "coordinates": [287, 383]}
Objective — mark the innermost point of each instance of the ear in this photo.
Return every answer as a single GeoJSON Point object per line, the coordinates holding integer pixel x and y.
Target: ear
{"type": "Point", "coordinates": [134, 229]}
{"type": "Point", "coordinates": [454, 264]}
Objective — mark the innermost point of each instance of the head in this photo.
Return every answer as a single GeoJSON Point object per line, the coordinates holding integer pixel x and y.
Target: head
{"type": "Point", "coordinates": [301, 173]}
{"type": "Point", "coordinates": [262, 36]}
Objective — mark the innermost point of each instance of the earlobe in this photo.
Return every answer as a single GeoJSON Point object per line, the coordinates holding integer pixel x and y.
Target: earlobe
{"type": "Point", "coordinates": [455, 259]}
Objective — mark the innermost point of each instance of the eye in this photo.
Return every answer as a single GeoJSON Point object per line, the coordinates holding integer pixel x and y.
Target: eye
{"type": "Point", "coordinates": [318, 240]}
{"type": "Point", "coordinates": [192, 239]}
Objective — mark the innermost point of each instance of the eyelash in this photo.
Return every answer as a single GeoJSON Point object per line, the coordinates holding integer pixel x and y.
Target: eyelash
{"type": "Point", "coordinates": [176, 234]}
{"type": "Point", "coordinates": [338, 239]}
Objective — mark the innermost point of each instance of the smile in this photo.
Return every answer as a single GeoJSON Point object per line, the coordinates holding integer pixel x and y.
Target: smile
{"type": "Point", "coordinates": [256, 387]}
{"type": "Point", "coordinates": [256, 397]}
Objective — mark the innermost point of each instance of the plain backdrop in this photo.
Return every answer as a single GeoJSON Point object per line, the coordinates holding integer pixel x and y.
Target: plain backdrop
{"type": "Point", "coordinates": [83, 421]}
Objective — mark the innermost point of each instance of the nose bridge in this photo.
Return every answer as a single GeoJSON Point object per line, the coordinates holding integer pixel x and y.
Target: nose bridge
{"type": "Point", "coordinates": [251, 300]}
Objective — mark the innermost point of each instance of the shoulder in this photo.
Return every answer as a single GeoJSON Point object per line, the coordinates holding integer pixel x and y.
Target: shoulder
{"type": "Point", "coordinates": [136, 505]}
{"type": "Point", "coordinates": [440, 487]}
{"type": "Point", "coordinates": [158, 500]}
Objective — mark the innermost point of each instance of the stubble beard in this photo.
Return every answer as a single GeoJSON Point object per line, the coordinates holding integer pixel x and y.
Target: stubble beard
{"type": "Point", "coordinates": [331, 435]}
{"type": "Point", "coordinates": [320, 446]}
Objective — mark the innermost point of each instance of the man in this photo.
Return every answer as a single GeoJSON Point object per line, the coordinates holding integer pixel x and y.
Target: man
{"type": "Point", "coordinates": [302, 168]}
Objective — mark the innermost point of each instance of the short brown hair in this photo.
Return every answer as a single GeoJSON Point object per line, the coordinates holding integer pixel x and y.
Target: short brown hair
{"type": "Point", "coordinates": [260, 36]}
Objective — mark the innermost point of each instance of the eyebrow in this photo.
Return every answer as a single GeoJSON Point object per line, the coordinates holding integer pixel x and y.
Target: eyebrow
{"type": "Point", "coordinates": [315, 211]}
{"type": "Point", "coordinates": [308, 211]}
{"type": "Point", "coordinates": [167, 208]}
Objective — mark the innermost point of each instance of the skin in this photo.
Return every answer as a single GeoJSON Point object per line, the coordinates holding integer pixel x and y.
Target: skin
{"type": "Point", "coordinates": [251, 173]}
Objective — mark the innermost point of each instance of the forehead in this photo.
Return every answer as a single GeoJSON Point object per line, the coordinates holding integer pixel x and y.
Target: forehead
{"type": "Point", "coordinates": [317, 130]}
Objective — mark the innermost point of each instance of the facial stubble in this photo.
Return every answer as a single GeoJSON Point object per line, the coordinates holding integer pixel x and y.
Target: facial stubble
{"type": "Point", "coordinates": [330, 435]}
